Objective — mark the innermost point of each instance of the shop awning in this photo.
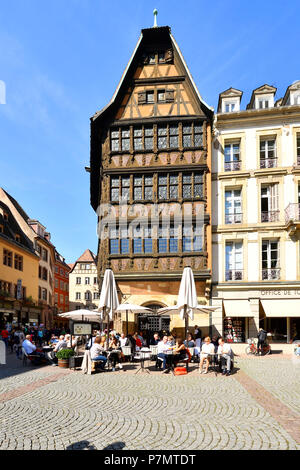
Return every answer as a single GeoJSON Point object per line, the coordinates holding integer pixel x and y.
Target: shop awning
{"type": "Point", "coordinates": [237, 308]}
{"type": "Point", "coordinates": [281, 307]}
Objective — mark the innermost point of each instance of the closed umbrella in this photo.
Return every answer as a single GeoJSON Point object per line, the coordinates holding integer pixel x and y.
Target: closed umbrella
{"type": "Point", "coordinates": [132, 308]}
{"type": "Point", "coordinates": [109, 301]}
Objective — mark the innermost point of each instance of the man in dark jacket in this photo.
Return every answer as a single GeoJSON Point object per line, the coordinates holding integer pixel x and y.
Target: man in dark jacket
{"type": "Point", "coordinates": [262, 336]}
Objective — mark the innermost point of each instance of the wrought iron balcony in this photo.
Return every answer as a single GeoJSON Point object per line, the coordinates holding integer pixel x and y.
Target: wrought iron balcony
{"type": "Point", "coordinates": [268, 163]}
{"type": "Point", "coordinates": [234, 275]}
{"type": "Point", "coordinates": [270, 274]}
{"type": "Point", "coordinates": [270, 216]}
{"type": "Point", "coordinates": [233, 218]}
{"type": "Point", "coordinates": [292, 213]}
{"type": "Point", "coordinates": [233, 165]}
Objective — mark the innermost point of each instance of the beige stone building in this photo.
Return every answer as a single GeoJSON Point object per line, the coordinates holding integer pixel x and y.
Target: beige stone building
{"type": "Point", "coordinates": [83, 282]}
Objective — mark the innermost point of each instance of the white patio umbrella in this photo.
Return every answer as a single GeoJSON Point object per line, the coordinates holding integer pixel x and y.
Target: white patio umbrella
{"type": "Point", "coordinates": [132, 308]}
{"type": "Point", "coordinates": [82, 314]}
{"type": "Point", "coordinates": [187, 302]}
{"type": "Point", "coordinates": [109, 301]}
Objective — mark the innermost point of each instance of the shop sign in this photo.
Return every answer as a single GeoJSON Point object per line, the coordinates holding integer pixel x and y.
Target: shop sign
{"type": "Point", "coordinates": [280, 293]}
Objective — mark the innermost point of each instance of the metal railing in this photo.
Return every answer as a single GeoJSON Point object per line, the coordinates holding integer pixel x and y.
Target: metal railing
{"type": "Point", "coordinates": [270, 216]}
{"type": "Point", "coordinates": [234, 275]}
{"type": "Point", "coordinates": [233, 218]}
{"type": "Point", "coordinates": [233, 165]}
{"type": "Point", "coordinates": [270, 274]}
{"type": "Point", "coordinates": [268, 163]}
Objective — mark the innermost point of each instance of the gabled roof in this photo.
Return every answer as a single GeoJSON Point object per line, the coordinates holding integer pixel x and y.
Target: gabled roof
{"type": "Point", "coordinates": [155, 32]}
{"type": "Point", "coordinates": [262, 90]}
{"type": "Point", "coordinates": [150, 37]}
{"type": "Point", "coordinates": [293, 87]}
{"type": "Point", "coordinates": [87, 256]}
{"type": "Point", "coordinates": [229, 93]}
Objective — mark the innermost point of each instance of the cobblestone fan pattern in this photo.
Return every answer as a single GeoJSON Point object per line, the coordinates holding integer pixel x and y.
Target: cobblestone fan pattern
{"type": "Point", "coordinates": [281, 377]}
{"type": "Point", "coordinates": [121, 410]}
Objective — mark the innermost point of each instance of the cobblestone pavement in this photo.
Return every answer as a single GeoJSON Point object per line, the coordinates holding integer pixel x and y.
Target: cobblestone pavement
{"type": "Point", "coordinates": [51, 408]}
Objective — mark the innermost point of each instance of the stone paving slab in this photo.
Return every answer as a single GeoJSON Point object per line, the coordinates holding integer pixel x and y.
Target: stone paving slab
{"type": "Point", "coordinates": [157, 411]}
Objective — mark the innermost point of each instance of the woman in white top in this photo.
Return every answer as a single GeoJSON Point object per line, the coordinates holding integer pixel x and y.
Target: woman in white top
{"type": "Point", "coordinates": [207, 349]}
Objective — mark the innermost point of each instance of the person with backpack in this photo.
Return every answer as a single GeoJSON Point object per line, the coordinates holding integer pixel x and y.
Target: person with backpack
{"type": "Point", "coordinates": [262, 336]}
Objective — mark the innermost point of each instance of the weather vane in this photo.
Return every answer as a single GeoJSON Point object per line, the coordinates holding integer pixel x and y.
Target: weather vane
{"type": "Point", "coordinates": [155, 17]}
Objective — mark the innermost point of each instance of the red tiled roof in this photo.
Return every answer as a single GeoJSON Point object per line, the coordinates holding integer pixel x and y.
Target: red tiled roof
{"type": "Point", "coordinates": [87, 256]}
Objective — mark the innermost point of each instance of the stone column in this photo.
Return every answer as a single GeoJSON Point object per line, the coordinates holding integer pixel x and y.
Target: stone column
{"type": "Point", "coordinates": [216, 317]}
{"type": "Point", "coordinates": [254, 321]}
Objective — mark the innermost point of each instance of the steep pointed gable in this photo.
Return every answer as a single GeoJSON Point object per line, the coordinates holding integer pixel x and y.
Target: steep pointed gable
{"type": "Point", "coordinates": [156, 84]}
{"type": "Point", "coordinates": [87, 256]}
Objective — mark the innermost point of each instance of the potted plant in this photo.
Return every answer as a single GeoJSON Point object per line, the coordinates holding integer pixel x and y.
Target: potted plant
{"type": "Point", "coordinates": [63, 357]}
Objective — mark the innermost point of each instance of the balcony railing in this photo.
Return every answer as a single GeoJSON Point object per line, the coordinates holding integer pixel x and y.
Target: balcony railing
{"type": "Point", "coordinates": [233, 165]}
{"type": "Point", "coordinates": [233, 218]}
{"type": "Point", "coordinates": [292, 213]}
{"type": "Point", "coordinates": [234, 275]}
{"type": "Point", "coordinates": [270, 274]}
{"type": "Point", "coordinates": [270, 216]}
{"type": "Point", "coordinates": [268, 163]}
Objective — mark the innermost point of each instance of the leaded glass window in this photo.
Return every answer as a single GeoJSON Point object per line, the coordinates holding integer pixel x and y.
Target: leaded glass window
{"type": "Point", "coordinates": [148, 246]}
{"type": "Point", "coordinates": [125, 187]}
{"type": "Point", "coordinates": [114, 191]}
{"type": "Point", "coordinates": [162, 137]}
{"type": "Point", "coordinates": [125, 139]}
{"type": "Point", "coordinates": [161, 95]}
{"type": "Point", "coordinates": [187, 186]}
{"type": "Point", "coordinates": [148, 187]}
{"type": "Point", "coordinates": [187, 238]}
{"type": "Point", "coordinates": [137, 138]}
{"type": "Point", "coordinates": [162, 240]}
{"type": "Point", "coordinates": [197, 240]}
{"type": "Point", "coordinates": [173, 186]}
{"type": "Point", "coordinates": [198, 185]}
{"type": "Point", "coordinates": [114, 241]}
{"type": "Point", "coordinates": [150, 96]}
{"type": "Point", "coordinates": [115, 145]}
{"type": "Point", "coordinates": [162, 187]}
{"type": "Point", "coordinates": [174, 136]}
{"type": "Point", "coordinates": [198, 135]}
{"type": "Point", "coordinates": [173, 239]}
{"type": "Point", "coordinates": [149, 138]}
{"type": "Point", "coordinates": [138, 188]}
{"type": "Point", "coordinates": [124, 240]}
{"type": "Point", "coordinates": [187, 135]}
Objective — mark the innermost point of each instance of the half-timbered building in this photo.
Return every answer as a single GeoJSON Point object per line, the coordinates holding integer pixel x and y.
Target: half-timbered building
{"type": "Point", "coordinates": [151, 149]}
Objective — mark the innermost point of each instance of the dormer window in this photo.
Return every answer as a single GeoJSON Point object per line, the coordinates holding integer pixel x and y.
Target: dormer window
{"type": "Point", "coordinates": [296, 99]}
{"type": "Point", "coordinates": [263, 103]}
{"type": "Point", "coordinates": [229, 107]}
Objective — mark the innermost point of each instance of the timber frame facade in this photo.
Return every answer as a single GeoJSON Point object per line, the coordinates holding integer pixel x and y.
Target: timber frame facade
{"type": "Point", "coordinates": [152, 145]}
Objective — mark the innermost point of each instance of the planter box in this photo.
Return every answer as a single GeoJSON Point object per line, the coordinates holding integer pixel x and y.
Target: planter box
{"type": "Point", "coordinates": [63, 363]}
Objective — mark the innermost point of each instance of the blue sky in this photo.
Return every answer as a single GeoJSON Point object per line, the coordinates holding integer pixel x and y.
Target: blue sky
{"type": "Point", "coordinates": [61, 61]}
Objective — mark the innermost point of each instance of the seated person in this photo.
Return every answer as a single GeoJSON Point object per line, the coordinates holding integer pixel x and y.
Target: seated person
{"type": "Point", "coordinates": [206, 349]}
{"type": "Point", "coordinates": [162, 348]}
{"type": "Point", "coordinates": [138, 342]}
{"type": "Point", "coordinates": [171, 341]}
{"type": "Point", "coordinates": [297, 350]}
{"type": "Point", "coordinates": [225, 354]}
{"type": "Point", "coordinates": [189, 343]}
{"type": "Point", "coordinates": [53, 339]}
{"type": "Point", "coordinates": [62, 344]}
{"type": "Point", "coordinates": [97, 352]}
{"type": "Point", "coordinates": [155, 340]}
{"type": "Point", "coordinates": [180, 351]}
{"type": "Point", "coordinates": [123, 340]}
{"type": "Point", "coordinates": [115, 353]}
{"type": "Point", "coordinates": [30, 349]}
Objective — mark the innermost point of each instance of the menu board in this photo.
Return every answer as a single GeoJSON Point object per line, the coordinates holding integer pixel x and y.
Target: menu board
{"type": "Point", "coordinates": [82, 329]}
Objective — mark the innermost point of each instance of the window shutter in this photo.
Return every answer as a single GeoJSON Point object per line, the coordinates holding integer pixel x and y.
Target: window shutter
{"type": "Point", "coordinates": [169, 55]}
{"type": "Point", "coordinates": [142, 97]}
{"type": "Point", "coordinates": [169, 96]}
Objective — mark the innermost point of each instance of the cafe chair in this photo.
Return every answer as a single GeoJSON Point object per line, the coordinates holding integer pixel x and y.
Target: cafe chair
{"type": "Point", "coordinates": [186, 360]}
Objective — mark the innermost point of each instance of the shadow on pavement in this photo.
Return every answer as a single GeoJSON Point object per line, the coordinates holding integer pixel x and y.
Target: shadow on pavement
{"type": "Point", "coordinates": [15, 366]}
{"type": "Point", "coordinates": [81, 445]}
{"type": "Point", "coordinates": [115, 446]}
